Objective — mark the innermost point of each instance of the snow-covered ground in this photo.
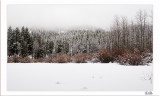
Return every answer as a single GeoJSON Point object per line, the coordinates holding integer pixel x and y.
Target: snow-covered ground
{"type": "Point", "coordinates": [78, 77]}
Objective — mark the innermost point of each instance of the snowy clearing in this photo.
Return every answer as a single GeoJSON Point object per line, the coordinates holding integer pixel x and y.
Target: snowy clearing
{"type": "Point", "coordinates": [78, 77]}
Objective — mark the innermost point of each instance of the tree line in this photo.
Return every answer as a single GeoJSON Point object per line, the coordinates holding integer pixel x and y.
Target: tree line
{"type": "Point", "coordinates": [123, 34]}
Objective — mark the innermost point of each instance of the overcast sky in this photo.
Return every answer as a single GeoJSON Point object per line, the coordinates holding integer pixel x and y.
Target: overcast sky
{"type": "Point", "coordinates": [64, 16]}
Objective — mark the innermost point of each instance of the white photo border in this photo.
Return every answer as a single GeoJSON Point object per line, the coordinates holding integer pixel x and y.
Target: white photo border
{"type": "Point", "coordinates": [156, 46]}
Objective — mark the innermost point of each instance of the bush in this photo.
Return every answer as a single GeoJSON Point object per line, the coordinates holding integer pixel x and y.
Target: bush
{"type": "Point", "coordinates": [19, 59]}
{"type": "Point", "coordinates": [116, 52]}
{"type": "Point", "coordinates": [62, 59]}
{"type": "Point", "coordinates": [14, 59]}
{"type": "Point", "coordinates": [124, 57]}
{"type": "Point", "coordinates": [25, 60]}
{"type": "Point", "coordinates": [49, 60]}
{"type": "Point", "coordinates": [80, 58]}
{"type": "Point", "coordinates": [40, 60]}
{"type": "Point", "coordinates": [9, 60]}
{"type": "Point", "coordinates": [105, 56]}
{"type": "Point", "coordinates": [147, 57]}
{"type": "Point", "coordinates": [93, 58]}
{"type": "Point", "coordinates": [130, 58]}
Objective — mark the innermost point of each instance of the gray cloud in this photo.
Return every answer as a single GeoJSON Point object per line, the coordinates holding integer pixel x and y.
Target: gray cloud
{"type": "Point", "coordinates": [64, 16]}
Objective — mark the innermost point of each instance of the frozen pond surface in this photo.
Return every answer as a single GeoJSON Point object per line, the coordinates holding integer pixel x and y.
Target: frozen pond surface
{"type": "Point", "coordinates": [78, 77]}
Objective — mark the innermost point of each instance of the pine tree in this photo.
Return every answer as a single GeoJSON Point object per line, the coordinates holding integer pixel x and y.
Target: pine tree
{"type": "Point", "coordinates": [26, 42]}
{"type": "Point", "coordinates": [9, 41]}
{"type": "Point", "coordinates": [16, 41]}
{"type": "Point", "coordinates": [23, 43]}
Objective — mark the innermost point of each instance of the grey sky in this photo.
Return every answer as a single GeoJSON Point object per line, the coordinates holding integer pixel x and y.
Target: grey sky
{"type": "Point", "coordinates": [64, 16]}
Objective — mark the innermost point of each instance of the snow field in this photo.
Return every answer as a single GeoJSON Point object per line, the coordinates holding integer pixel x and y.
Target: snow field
{"type": "Point", "coordinates": [78, 77]}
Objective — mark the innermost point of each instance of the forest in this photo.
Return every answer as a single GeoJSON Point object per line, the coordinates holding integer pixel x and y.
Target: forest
{"type": "Point", "coordinates": [127, 42]}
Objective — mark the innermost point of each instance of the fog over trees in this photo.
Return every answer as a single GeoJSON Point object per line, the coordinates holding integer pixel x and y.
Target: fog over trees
{"type": "Point", "coordinates": [125, 39]}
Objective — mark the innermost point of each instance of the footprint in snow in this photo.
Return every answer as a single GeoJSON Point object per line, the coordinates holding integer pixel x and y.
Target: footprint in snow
{"type": "Point", "coordinates": [84, 88]}
{"type": "Point", "coordinates": [100, 77]}
{"type": "Point", "coordinates": [58, 82]}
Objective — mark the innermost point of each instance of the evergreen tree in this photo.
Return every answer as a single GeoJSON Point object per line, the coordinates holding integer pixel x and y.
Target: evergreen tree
{"type": "Point", "coordinates": [16, 41]}
{"type": "Point", "coordinates": [26, 42]}
{"type": "Point", "coordinates": [9, 41]}
{"type": "Point", "coordinates": [23, 43]}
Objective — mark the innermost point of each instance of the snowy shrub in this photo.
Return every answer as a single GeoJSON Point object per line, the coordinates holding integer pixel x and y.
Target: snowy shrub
{"type": "Point", "coordinates": [49, 60]}
{"type": "Point", "coordinates": [9, 60]}
{"type": "Point", "coordinates": [62, 59]}
{"type": "Point", "coordinates": [93, 58]}
{"type": "Point", "coordinates": [56, 58]}
{"type": "Point", "coordinates": [14, 59]}
{"type": "Point", "coordinates": [105, 56]}
{"type": "Point", "coordinates": [25, 60]}
{"type": "Point", "coordinates": [130, 58]}
{"type": "Point", "coordinates": [147, 58]}
{"type": "Point", "coordinates": [39, 60]}
{"type": "Point", "coordinates": [80, 58]}
{"type": "Point", "coordinates": [136, 51]}
{"type": "Point", "coordinates": [19, 59]}
{"type": "Point", "coordinates": [116, 52]}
